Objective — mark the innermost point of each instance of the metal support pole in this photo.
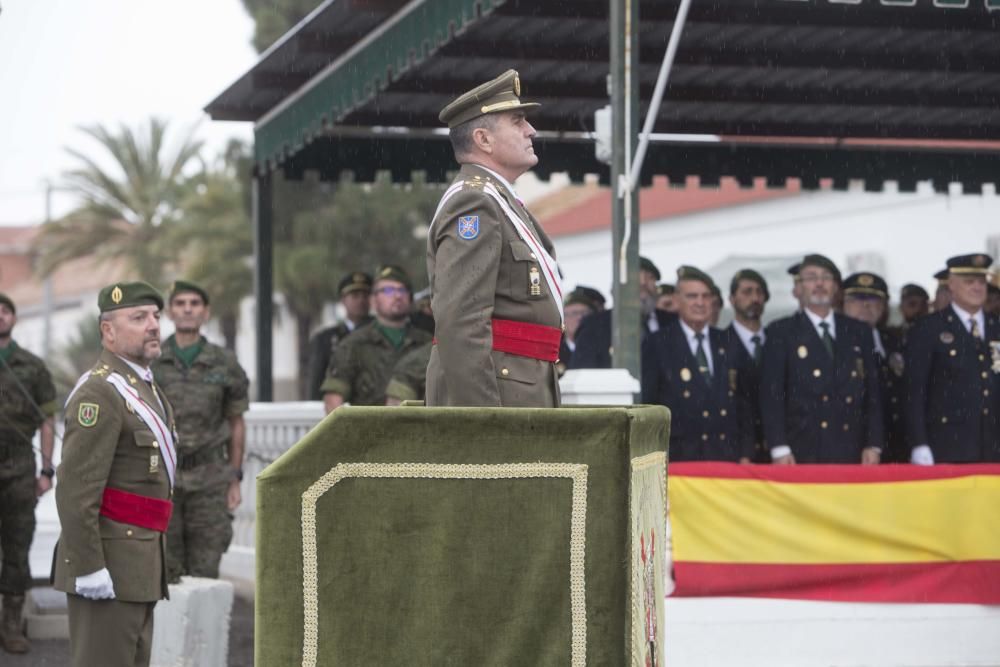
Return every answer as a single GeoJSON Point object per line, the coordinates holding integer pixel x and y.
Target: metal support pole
{"type": "Point", "coordinates": [263, 282]}
{"type": "Point", "coordinates": [626, 324]}
{"type": "Point", "coordinates": [47, 298]}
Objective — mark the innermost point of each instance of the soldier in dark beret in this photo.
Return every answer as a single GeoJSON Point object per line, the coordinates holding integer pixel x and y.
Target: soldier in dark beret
{"type": "Point", "coordinates": [353, 290]}
{"type": "Point", "coordinates": [942, 294]}
{"type": "Point", "coordinates": [665, 298]}
{"type": "Point", "coordinates": [579, 304]}
{"type": "Point", "coordinates": [748, 294]}
{"type": "Point", "coordinates": [953, 373]}
{"type": "Point", "coordinates": [914, 303]}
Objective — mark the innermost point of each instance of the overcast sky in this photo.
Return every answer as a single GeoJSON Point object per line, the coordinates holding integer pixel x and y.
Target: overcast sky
{"type": "Point", "coordinates": [65, 63]}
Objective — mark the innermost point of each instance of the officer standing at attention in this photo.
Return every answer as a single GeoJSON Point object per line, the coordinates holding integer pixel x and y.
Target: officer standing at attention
{"type": "Point", "coordinates": [208, 389]}
{"type": "Point", "coordinates": [691, 367]}
{"type": "Point", "coordinates": [27, 404]}
{"type": "Point", "coordinates": [953, 373]}
{"type": "Point", "coordinates": [355, 292]}
{"type": "Point", "coordinates": [115, 481]}
{"type": "Point", "coordinates": [497, 297]}
{"type": "Point", "coordinates": [819, 392]}
{"type": "Point", "coordinates": [748, 295]}
{"type": "Point", "coordinates": [363, 362]}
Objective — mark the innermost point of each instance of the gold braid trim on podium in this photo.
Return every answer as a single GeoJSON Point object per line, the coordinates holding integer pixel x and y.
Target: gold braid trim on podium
{"type": "Point", "coordinates": [577, 472]}
{"type": "Point", "coordinates": [651, 464]}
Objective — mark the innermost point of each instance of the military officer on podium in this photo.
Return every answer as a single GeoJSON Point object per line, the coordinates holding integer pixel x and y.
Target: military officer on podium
{"type": "Point", "coordinates": [953, 373]}
{"type": "Point", "coordinates": [497, 298]}
{"type": "Point", "coordinates": [113, 497]}
{"type": "Point", "coordinates": [819, 392]}
{"type": "Point", "coordinates": [699, 373]}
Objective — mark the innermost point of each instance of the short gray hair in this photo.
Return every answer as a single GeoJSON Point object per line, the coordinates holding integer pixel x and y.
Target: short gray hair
{"type": "Point", "coordinates": [461, 135]}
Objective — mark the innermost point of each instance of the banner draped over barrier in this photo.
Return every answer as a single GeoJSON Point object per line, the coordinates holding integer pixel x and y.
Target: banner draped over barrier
{"type": "Point", "coordinates": [893, 533]}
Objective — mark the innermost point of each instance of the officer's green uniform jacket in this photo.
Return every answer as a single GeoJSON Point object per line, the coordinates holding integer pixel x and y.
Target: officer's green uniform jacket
{"type": "Point", "coordinates": [363, 362]}
{"type": "Point", "coordinates": [18, 417]}
{"type": "Point", "coordinates": [409, 376]}
{"type": "Point", "coordinates": [203, 396]}
{"type": "Point", "coordinates": [116, 451]}
{"type": "Point", "coordinates": [474, 281]}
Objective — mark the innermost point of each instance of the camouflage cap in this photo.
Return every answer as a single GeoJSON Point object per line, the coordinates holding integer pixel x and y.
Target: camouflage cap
{"type": "Point", "coordinates": [6, 300]}
{"type": "Point", "coordinates": [750, 274]}
{"type": "Point", "coordinates": [181, 286]}
{"type": "Point", "coordinates": [692, 273]}
{"type": "Point", "coordinates": [356, 281]}
{"type": "Point", "coordinates": [128, 295]}
{"type": "Point", "coordinates": [975, 264]}
{"type": "Point", "coordinates": [821, 261]}
{"type": "Point", "coordinates": [911, 289]}
{"type": "Point", "coordinates": [646, 264]}
{"type": "Point", "coordinates": [865, 283]}
{"type": "Point", "coordinates": [501, 94]}
{"type": "Point", "coordinates": [393, 272]}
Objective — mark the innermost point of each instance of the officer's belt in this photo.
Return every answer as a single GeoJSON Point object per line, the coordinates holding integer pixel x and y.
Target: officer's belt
{"type": "Point", "coordinates": [199, 457]}
{"type": "Point", "coordinates": [527, 340]}
{"type": "Point", "coordinates": [136, 510]}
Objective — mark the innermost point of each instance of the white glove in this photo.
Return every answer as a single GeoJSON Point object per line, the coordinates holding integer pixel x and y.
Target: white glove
{"type": "Point", "coordinates": [922, 456]}
{"type": "Point", "coordinates": [96, 585]}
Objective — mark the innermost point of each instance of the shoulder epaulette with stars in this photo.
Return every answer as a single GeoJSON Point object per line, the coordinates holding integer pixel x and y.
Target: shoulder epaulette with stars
{"type": "Point", "coordinates": [475, 182]}
{"type": "Point", "coordinates": [100, 370]}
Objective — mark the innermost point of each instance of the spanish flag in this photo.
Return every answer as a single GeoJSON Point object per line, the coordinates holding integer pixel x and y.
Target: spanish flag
{"type": "Point", "coordinates": [891, 533]}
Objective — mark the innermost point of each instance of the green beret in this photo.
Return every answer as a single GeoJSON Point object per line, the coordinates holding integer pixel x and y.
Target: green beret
{"type": "Point", "coordinates": [665, 289]}
{"type": "Point", "coordinates": [501, 94]}
{"type": "Point", "coordinates": [975, 264]}
{"type": "Point", "coordinates": [691, 273]}
{"type": "Point", "coordinates": [941, 276]}
{"type": "Point", "coordinates": [356, 281]}
{"type": "Point", "coordinates": [180, 286]}
{"type": "Point", "coordinates": [866, 283]}
{"type": "Point", "coordinates": [645, 264]}
{"type": "Point", "coordinates": [822, 262]}
{"type": "Point", "coordinates": [750, 274]}
{"type": "Point", "coordinates": [911, 289]}
{"type": "Point", "coordinates": [6, 300]}
{"type": "Point", "coordinates": [794, 269]}
{"type": "Point", "coordinates": [579, 295]}
{"type": "Point", "coordinates": [127, 295]}
{"type": "Point", "coordinates": [393, 272]}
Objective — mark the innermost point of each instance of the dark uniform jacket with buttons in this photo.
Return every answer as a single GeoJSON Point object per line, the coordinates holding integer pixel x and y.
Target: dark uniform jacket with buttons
{"type": "Point", "coordinates": [593, 338]}
{"type": "Point", "coordinates": [891, 373]}
{"type": "Point", "coordinates": [709, 421]}
{"type": "Point", "coordinates": [761, 454]}
{"type": "Point", "coordinates": [826, 409]}
{"type": "Point", "coordinates": [953, 381]}
{"type": "Point", "coordinates": [474, 279]}
{"type": "Point", "coordinates": [116, 450]}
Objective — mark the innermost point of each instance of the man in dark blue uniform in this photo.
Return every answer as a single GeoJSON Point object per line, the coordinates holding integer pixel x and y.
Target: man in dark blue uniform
{"type": "Point", "coordinates": [593, 339]}
{"type": "Point", "coordinates": [578, 305]}
{"type": "Point", "coordinates": [953, 373]}
{"type": "Point", "coordinates": [748, 293]}
{"type": "Point", "coordinates": [696, 371]}
{"type": "Point", "coordinates": [819, 392]}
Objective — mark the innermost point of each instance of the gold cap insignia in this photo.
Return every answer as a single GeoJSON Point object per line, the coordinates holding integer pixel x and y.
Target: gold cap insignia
{"type": "Point", "coordinates": [685, 374]}
{"type": "Point", "coordinates": [865, 280]}
{"type": "Point", "coordinates": [116, 295]}
{"type": "Point", "coordinates": [517, 85]}
{"type": "Point", "coordinates": [386, 271]}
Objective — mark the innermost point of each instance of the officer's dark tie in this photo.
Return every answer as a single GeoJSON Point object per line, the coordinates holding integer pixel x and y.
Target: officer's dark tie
{"type": "Point", "coordinates": [758, 349]}
{"type": "Point", "coordinates": [974, 328]}
{"type": "Point", "coordinates": [702, 359]}
{"type": "Point", "coordinates": [827, 338]}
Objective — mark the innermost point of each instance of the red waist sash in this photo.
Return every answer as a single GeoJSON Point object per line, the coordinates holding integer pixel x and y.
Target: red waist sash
{"type": "Point", "coordinates": [136, 510]}
{"type": "Point", "coordinates": [527, 340]}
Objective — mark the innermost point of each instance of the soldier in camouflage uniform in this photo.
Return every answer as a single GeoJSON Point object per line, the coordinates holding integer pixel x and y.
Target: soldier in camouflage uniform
{"type": "Point", "coordinates": [363, 362]}
{"type": "Point", "coordinates": [27, 403]}
{"type": "Point", "coordinates": [208, 390]}
{"type": "Point", "coordinates": [409, 377]}
{"type": "Point", "coordinates": [354, 289]}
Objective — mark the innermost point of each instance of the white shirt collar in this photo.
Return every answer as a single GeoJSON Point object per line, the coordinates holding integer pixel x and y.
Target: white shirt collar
{"type": "Point", "coordinates": [816, 320]}
{"type": "Point", "coordinates": [964, 318]}
{"type": "Point", "coordinates": [503, 181]}
{"type": "Point", "coordinates": [746, 335]}
{"type": "Point", "coordinates": [143, 373]}
{"type": "Point", "coordinates": [693, 342]}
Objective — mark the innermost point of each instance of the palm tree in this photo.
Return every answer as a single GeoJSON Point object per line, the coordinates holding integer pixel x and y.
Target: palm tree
{"type": "Point", "coordinates": [125, 211]}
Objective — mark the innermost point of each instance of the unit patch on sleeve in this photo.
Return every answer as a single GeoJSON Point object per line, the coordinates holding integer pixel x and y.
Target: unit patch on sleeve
{"type": "Point", "coordinates": [468, 227]}
{"type": "Point", "coordinates": [87, 414]}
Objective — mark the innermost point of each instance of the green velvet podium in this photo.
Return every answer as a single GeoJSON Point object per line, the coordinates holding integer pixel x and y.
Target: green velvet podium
{"type": "Point", "coordinates": [465, 536]}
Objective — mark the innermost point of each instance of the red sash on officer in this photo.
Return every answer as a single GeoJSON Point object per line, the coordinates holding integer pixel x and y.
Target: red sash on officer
{"type": "Point", "coordinates": [136, 510]}
{"type": "Point", "coordinates": [527, 340]}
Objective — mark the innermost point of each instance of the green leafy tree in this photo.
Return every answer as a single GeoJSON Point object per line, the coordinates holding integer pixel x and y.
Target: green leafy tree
{"type": "Point", "coordinates": [77, 355]}
{"type": "Point", "coordinates": [125, 208]}
{"type": "Point", "coordinates": [276, 17]}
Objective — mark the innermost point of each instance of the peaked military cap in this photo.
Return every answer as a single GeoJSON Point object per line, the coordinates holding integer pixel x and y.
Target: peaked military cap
{"type": "Point", "coordinates": [594, 295]}
{"type": "Point", "coordinates": [691, 273]}
{"type": "Point", "coordinates": [975, 264]}
{"type": "Point", "coordinates": [665, 289]}
{"type": "Point", "coordinates": [865, 283]}
{"type": "Point", "coordinates": [128, 295]}
{"type": "Point", "coordinates": [911, 289]}
{"type": "Point", "coordinates": [578, 295]}
{"type": "Point", "coordinates": [393, 272]}
{"type": "Point", "coordinates": [501, 94]}
{"type": "Point", "coordinates": [749, 274]}
{"type": "Point", "coordinates": [646, 264]}
{"type": "Point", "coordinates": [821, 261]}
{"type": "Point", "coordinates": [6, 300]}
{"type": "Point", "coordinates": [181, 286]}
{"type": "Point", "coordinates": [356, 281]}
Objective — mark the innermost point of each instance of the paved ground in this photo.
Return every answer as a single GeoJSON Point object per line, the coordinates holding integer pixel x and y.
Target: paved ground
{"type": "Point", "coordinates": [55, 653]}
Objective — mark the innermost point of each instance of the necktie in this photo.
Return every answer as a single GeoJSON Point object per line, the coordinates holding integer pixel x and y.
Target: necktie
{"type": "Point", "coordinates": [758, 349]}
{"type": "Point", "coordinates": [974, 328]}
{"type": "Point", "coordinates": [702, 359]}
{"type": "Point", "coordinates": [827, 338]}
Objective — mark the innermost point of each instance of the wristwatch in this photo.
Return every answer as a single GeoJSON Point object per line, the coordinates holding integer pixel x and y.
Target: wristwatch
{"type": "Point", "coordinates": [238, 474]}
{"type": "Point", "coordinates": [48, 472]}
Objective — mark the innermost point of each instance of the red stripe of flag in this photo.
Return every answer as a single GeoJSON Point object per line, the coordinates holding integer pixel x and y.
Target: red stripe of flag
{"type": "Point", "coordinates": [830, 474]}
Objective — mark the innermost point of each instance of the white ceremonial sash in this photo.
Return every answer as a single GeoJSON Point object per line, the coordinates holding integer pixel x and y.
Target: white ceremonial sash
{"type": "Point", "coordinates": [164, 437]}
{"type": "Point", "coordinates": [547, 261]}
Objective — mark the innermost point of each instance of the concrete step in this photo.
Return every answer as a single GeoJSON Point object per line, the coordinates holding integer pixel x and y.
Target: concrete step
{"type": "Point", "coordinates": [45, 614]}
